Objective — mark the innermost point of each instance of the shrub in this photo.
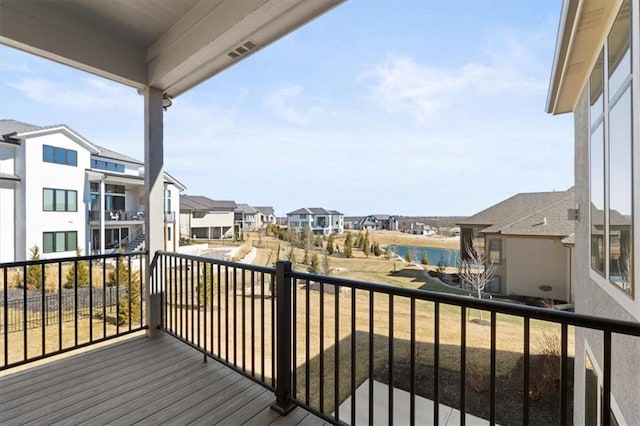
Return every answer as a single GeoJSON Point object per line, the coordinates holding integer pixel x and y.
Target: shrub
{"type": "Point", "coordinates": [425, 258]}
{"type": "Point", "coordinates": [207, 285]}
{"type": "Point", "coordinates": [130, 299]}
{"type": "Point", "coordinates": [35, 273]}
{"type": "Point", "coordinates": [330, 244]}
{"type": "Point", "coordinates": [548, 374]}
{"type": "Point", "coordinates": [314, 267]}
{"type": "Point", "coordinates": [81, 275]}
{"type": "Point", "coordinates": [409, 256]}
{"type": "Point", "coordinates": [348, 244]}
{"type": "Point", "coordinates": [377, 251]}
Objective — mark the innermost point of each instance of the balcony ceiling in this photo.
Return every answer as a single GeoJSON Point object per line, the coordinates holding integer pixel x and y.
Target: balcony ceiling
{"type": "Point", "coordinates": [171, 45]}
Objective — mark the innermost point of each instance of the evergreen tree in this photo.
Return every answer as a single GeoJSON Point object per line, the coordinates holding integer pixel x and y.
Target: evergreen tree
{"type": "Point", "coordinates": [325, 264]}
{"type": "Point", "coordinates": [35, 276]}
{"type": "Point", "coordinates": [121, 275]}
{"type": "Point", "coordinates": [130, 298]}
{"type": "Point", "coordinates": [377, 251]}
{"type": "Point", "coordinates": [330, 244]}
{"type": "Point", "coordinates": [81, 275]}
{"type": "Point", "coordinates": [314, 267]}
{"type": "Point", "coordinates": [366, 247]}
{"type": "Point", "coordinates": [409, 256]}
{"type": "Point", "coordinates": [425, 258]}
{"type": "Point", "coordinates": [305, 259]}
{"type": "Point", "coordinates": [292, 256]}
{"type": "Point", "coordinates": [359, 240]}
{"type": "Point", "coordinates": [348, 243]}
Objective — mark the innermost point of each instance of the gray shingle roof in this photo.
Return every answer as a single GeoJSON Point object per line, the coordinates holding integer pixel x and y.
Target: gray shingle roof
{"type": "Point", "coordinates": [266, 210]}
{"type": "Point", "coordinates": [107, 153]}
{"type": "Point", "coordinates": [9, 127]}
{"type": "Point", "coordinates": [313, 210]}
{"type": "Point", "coordinates": [540, 213]}
{"type": "Point", "coordinates": [199, 202]}
{"type": "Point", "coordinates": [245, 208]}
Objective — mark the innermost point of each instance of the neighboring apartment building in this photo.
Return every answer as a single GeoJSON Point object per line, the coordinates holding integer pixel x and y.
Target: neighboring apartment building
{"type": "Point", "coordinates": [596, 75]}
{"type": "Point", "coordinates": [59, 191]}
{"type": "Point", "coordinates": [267, 215]}
{"type": "Point", "coordinates": [202, 217]}
{"type": "Point", "coordinates": [523, 237]}
{"type": "Point", "coordinates": [320, 221]}
{"type": "Point", "coordinates": [377, 222]}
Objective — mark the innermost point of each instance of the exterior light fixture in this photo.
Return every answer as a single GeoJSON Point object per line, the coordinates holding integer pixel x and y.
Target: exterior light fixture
{"type": "Point", "coordinates": [166, 101]}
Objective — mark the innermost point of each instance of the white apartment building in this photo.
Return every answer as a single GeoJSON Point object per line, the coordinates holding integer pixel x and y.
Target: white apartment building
{"type": "Point", "coordinates": [320, 221]}
{"type": "Point", "coordinates": [60, 192]}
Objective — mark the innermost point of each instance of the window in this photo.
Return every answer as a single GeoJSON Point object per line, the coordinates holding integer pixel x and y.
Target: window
{"type": "Point", "coordinates": [107, 165]}
{"type": "Point", "coordinates": [167, 200]}
{"type": "Point", "coordinates": [59, 200]}
{"type": "Point", "coordinates": [53, 154]}
{"type": "Point", "coordinates": [610, 148]}
{"type": "Point", "coordinates": [495, 251]}
{"type": "Point", "coordinates": [55, 242]}
{"type": "Point", "coordinates": [303, 216]}
{"type": "Point", "coordinates": [494, 285]}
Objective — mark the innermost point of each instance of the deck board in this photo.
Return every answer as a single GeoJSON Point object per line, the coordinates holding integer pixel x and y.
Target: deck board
{"type": "Point", "coordinates": [146, 381]}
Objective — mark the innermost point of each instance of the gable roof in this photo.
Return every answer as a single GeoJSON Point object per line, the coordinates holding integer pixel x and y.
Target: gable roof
{"type": "Point", "coordinates": [199, 202]}
{"type": "Point", "coordinates": [266, 210]}
{"type": "Point", "coordinates": [540, 213]}
{"type": "Point", "coordinates": [13, 130]}
{"type": "Point", "coordinates": [313, 210]}
{"type": "Point", "coordinates": [245, 208]}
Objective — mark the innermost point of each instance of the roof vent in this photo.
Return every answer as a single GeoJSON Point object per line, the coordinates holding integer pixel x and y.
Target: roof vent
{"type": "Point", "coordinates": [243, 49]}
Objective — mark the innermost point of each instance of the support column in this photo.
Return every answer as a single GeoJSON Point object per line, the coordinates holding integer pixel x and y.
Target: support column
{"type": "Point", "coordinates": [102, 215]}
{"type": "Point", "coordinates": [154, 197]}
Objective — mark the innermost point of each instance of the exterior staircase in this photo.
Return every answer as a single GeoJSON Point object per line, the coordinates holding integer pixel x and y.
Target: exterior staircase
{"type": "Point", "coordinates": [136, 244]}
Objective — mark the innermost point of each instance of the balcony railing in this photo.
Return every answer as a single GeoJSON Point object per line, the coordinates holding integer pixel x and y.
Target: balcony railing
{"type": "Point", "coordinates": [52, 306]}
{"type": "Point", "coordinates": [316, 340]}
{"type": "Point", "coordinates": [116, 215]}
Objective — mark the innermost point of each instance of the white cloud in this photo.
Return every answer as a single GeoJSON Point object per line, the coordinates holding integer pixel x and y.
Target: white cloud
{"type": "Point", "coordinates": [86, 94]}
{"type": "Point", "coordinates": [402, 85]}
{"type": "Point", "coordinates": [287, 103]}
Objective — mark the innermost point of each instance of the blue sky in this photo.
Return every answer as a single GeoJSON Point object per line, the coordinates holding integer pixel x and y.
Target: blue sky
{"type": "Point", "coordinates": [401, 107]}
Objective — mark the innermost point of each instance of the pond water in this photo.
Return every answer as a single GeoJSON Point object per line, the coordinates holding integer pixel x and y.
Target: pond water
{"type": "Point", "coordinates": [450, 257]}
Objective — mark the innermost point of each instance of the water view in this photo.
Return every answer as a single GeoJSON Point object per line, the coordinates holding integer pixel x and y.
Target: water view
{"type": "Point", "coordinates": [450, 257]}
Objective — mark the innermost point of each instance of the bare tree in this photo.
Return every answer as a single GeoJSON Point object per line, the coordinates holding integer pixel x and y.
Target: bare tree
{"type": "Point", "coordinates": [477, 270]}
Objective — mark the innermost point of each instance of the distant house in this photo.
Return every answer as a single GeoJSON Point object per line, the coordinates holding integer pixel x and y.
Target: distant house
{"type": "Point", "coordinates": [246, 218]}
{"type": "Point", "coordinates": [528, 238]}
{"type": "Point", "coordinates": [377, 222]}
{"type": "Point", "coordinates": [320, 221]}
{"type": "Point", "coordinates": [267, 215]}
{"type": "Point", "coordinates": [202, 217]}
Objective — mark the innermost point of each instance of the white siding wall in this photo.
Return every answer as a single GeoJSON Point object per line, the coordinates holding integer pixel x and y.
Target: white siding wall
{"type": "Point", "coordinates": [7, 221]}
{"type": "Point", "coordinates": [39, 175]}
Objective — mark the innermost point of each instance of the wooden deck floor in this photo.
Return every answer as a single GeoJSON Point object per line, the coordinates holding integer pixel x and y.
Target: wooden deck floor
{"type": "Point", "coordinates": [148, 381]}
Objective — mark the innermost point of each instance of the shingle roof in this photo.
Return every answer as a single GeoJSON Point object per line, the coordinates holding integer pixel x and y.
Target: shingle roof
{"type": "Point", "coordinates": [541, 213]}
{"type": "Point", "coordinates": [9, 127]}
{"type": "Point", "coordinates": [313, 210]}
{"type": "Point", "coordinates": [266, 210]}
{"type": "Point", "coordinates": [199, 202]}
{"type": "Point", "coordinates": [245, 208]}
{"type": "Point", "coordinates": [107, 153]}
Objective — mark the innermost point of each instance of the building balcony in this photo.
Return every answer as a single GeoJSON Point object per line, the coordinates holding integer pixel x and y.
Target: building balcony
{"type": "Point", "coordinates": [236, 343]}
{"type": "Point", "coordinates": [117, 216]}
{"type": "Point", "coordinates": [169, 217]}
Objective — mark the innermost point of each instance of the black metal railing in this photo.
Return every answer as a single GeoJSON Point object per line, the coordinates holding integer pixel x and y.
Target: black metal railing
{"type": "Point", "coordinates": [52, 306]}
{"type": "Point", "coordinates": [323, 339]}
{"type": "Point", "coordinates": [224, 309]}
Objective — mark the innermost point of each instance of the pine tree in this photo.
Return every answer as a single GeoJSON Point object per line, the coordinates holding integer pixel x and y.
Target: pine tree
{"type": "Point", "coordinates": [131, 297]}
{"type": "Point", "coordinates": [359, 240]}
{"type": "Point", "coordinates": [292, 256]}
{"type": "Point", "coordinates": [330, 244]}
{"type": "Point", "coordinates": [314, 267]}
{"type": "Point", "coordinates": [325, 264]}
{"type": "Point", "coordinates": [305, 259]}
{"type": "Point", "coordinates": [425, 258]}
{"type": "Point", "coordinates": [35, 276]}
{"type": "Point", "coordinates": [366, 247]}
{"type": "Point", "coordinates": [81, 275]}
{"type": "Point", "coordinates": [376, 249]}
{"type": "Point", "coordinates": [409, 256]}
{"type": "Point", "coordinates": [348, 243]}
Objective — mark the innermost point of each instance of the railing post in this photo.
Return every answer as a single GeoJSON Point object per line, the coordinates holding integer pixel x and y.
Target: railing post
{"type": "Point", "coordinates": [283, 404]}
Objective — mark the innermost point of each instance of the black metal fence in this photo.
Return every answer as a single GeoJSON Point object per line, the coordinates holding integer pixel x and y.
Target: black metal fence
{"type": "Point", "coordinates": [323, 339]}
{"type": "Point", "coordinates": [56, 305]}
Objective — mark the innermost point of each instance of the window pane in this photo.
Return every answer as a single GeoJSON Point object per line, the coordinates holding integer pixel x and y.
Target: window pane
{"type": "Point", "coordinates": [597, 199]}
{"type": "Point", "coordinates": [60, 156]}
{"type": "Point", "coordinates": [595, 89]}
{"type": "Point", "coordinates": [72, 201]}
{"type": "Point", "coordinates": [72, 238]}
{"type": "Point", "coordinates": [60, 200]}
{"type": "Point", "coordinates": [47, 153]}
{"type": "Point", "coordinates": [494, 251]}
{"type": "Point", "coordinates": [620, 193]}
{"type": "Point", "coordinates": [47, 200]}
{"type": "Point", "coordinates": [47, 242]}
{"type": "Point", "coordinates": [59, 241]}
{"type": "Point", "coordinates": [72, 158]}
{"type": "Point", "coordinates": [619, 53]}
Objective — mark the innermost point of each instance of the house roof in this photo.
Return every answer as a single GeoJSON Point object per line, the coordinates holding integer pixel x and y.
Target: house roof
{"type": "Point", "coordinates": [9, 128]}
{"type": "Point", "coordinates": [199, 202]}
{"type": "Point", "coordinates": [245, 208]}
{"type": "Point", "coordinates": [313, 210]}
{"type": "Point", "coordinates": [540, 213]}
{"type": "Point", "coordinates": [266, 210]}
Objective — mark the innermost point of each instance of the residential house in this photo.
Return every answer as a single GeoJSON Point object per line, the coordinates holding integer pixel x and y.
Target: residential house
{"type": "Point", "coordinates": [377, 222]}
{"type": "Point", "coordinates": [60, 191]}
{"type": "Point", "coordinates": [419, 228]}
{"type": "Point", "coordinates": [320, 221]}
{"type": "Point", "coordinates": [596, 75]}
{"type": "Point", "coordinates": [202, 217]}
{"type": "Point", "coordinates": [521, 234]}
{"type": "Point", "coordinates": [266, 215]}
{"type": "Point", "coordinates": [246, 218]}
